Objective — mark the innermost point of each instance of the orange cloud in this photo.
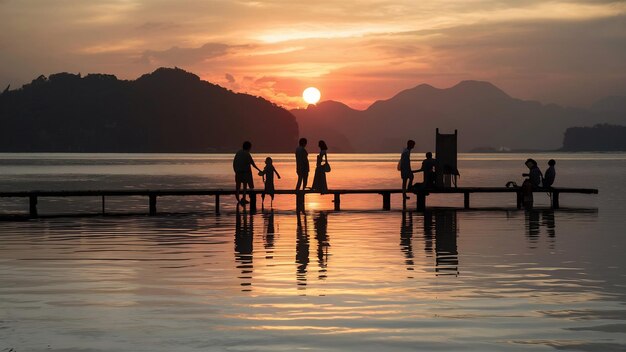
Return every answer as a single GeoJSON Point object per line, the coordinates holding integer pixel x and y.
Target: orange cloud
{"type": "Point", "coordinates": [354, 52]}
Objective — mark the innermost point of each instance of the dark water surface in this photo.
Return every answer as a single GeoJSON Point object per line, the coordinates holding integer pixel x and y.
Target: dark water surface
{"type": "Point", "coordinates": [359, 279]}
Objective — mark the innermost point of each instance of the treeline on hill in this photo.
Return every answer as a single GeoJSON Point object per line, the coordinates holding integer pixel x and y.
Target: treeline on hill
{"type": "Point", "coordinates": [601, 137]}
{"type": "Point", "coordinates": [169, 110]}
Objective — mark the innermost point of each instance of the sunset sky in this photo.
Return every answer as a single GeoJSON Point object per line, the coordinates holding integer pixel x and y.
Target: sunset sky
{"type": "Point", "coordinates": [566, 52]}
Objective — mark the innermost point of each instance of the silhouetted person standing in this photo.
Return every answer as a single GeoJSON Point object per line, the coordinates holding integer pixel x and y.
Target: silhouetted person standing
{"type": "Point", "coordinates": [243, 172]}
{"type": "Point", "coordinates": [405, 168]}
{"type": "Point", "coordinates": [548, 178]}
{"type": "Point", "coordinates": [302, 164]}
{"type": "Point", "coordinates": [321, 168]}
{"type": "Point", "coordinates": [429, 167]}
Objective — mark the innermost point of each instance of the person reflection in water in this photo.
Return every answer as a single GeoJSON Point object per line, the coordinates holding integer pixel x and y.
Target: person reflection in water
{"type": "Point", "coordinates": [243, 172]}
{"type": "Point", "coordinates": [406, 241]}
{"type": "Point", "coordinates": [404, 166]}
{"type": "Point", "coordinates": [244, 247]}
{"type": "Point", "coordinates": [429, 236]}
{"type": "Point", "coordinates": [535, 221]}
{"type": "Point", "coordinates": [302, 250]}
{"type": "Point", "coordinates": [302, 164]}
{"type": "Point", "coordinates": [268, 236]}
{"type": "Point", "coordinates": [321, 168]}
{"type": "Point", "coordinates": [320, 223]}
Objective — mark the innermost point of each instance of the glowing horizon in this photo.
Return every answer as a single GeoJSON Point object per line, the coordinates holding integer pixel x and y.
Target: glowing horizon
{"type": "Point", "coordinates": [568, 53]}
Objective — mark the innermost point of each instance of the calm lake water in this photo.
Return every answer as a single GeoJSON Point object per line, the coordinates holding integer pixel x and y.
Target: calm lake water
{"type": "Point", "coordinates": [359, 279]}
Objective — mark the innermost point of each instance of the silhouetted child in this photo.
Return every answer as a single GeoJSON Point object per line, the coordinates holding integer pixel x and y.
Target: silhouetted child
{"type": "Point", "coordinates": [548, 178]}
{"type": "Point", "coordinates": [268, 179]}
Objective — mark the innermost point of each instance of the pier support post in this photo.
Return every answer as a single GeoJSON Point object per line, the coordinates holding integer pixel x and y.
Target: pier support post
{"type": "Point", "coordinates": [421, 201]}
{"type": "Point", "coordinates": [519, 199]}
{"type": "Point", "coordinates": [555, 200]}
{"type": "Point", "coordinates": [217, 203]}
{"type": "Point", "coordinates": [337, 201]}
{"type": "Point", "coordinates": [466, 200]}
{"type": "Point", "coordinates": [152, 199]}
{"type": "Point", "coordinates": [300, 200]}
{"type": "Point", "coordinates": [32, 200]}
{"type": "Point", "coordinates": [386, 201]}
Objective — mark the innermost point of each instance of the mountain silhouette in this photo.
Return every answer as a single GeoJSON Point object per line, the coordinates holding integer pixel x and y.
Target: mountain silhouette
{"type": "Point", "coordinates": [484, 115]}
{"type": "Point", "coordinates": [323, 126]}
{"type": "Point", "coordinates": [171, 110]}
{"type": "Point", "coordinates": [168, 110]}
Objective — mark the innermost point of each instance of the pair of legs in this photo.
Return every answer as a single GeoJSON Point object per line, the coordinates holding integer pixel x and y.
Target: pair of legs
{"type": "Point", "coordinates": [238, 189]}
{"type": "Point", "coordinates": [263, 199]}
{"type": "Point", "coordinates": [303, 177]}
{"type": "Point", "coordinates": [407, 182]}
{"type": "Point", "coordinates": [429, 179]}
{"type": "Point", "coordinates": [245, 180]}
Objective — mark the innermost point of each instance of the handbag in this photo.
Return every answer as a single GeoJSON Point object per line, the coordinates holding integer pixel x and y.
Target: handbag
{"type": "Point", "coordinates": [326, 167]}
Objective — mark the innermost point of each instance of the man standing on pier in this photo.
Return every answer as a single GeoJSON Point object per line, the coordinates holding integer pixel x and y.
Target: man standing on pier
{"type": "Point", "coordinates": [404, 166]}
{"type": "Point", "coordinates": [302, 164]}
{"type": "Point", "coordinates": [243, 171]}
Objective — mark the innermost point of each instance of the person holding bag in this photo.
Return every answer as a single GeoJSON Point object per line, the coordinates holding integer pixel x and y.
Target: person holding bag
{"type": "Point", "coordinates": [321, 168]}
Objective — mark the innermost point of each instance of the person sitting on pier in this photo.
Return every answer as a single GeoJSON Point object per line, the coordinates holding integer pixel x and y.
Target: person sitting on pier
{"type": "Point", "coordinates": [535, 175]}
{"type": "Point", "coordinates": [548, 178]}
{"type": "Point", "coordinates": [268, 178]}
{"type": "Point", "coordinates": [243, 171]}
{"type": "Point", "coordinates": [404, 166]}
{"type": "Point", "coordinates": [429, 168]}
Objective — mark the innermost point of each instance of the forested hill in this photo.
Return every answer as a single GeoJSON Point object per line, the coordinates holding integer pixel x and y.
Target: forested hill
{"type": "Point", "coordinates": [169, 110]}
{"type": "Point", "coordinates": [597, 138]}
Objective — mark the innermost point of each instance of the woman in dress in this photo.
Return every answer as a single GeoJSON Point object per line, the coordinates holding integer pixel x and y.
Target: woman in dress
{"type": "Point", "coordinates": [321, 168]}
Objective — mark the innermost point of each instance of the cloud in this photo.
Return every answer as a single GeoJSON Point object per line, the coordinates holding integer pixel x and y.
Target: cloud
{"type": "Point", "coordinates": [568, 52]}
{"type": "Point", "coordinates": [184, 56]}
{"type": "Point", "coordinates": [157, 26]}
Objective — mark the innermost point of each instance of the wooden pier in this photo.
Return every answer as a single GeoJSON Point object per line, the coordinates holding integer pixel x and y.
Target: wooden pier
{"type": "Point", "coordinates": [420, 195]}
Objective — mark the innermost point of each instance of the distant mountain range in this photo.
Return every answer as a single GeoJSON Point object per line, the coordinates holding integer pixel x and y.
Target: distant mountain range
{"type": "Point", "coordinates": [484, 115]}
{"type": "Point", "coordinates": [171, 110]}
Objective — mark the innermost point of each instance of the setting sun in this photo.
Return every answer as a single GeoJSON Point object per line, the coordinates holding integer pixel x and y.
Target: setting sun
{"type": "Point", "coordinates": [311, 95]}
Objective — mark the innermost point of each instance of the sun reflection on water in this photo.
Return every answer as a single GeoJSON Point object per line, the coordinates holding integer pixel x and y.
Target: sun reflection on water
{"type": "Point", "coordinates": [442, 276]}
